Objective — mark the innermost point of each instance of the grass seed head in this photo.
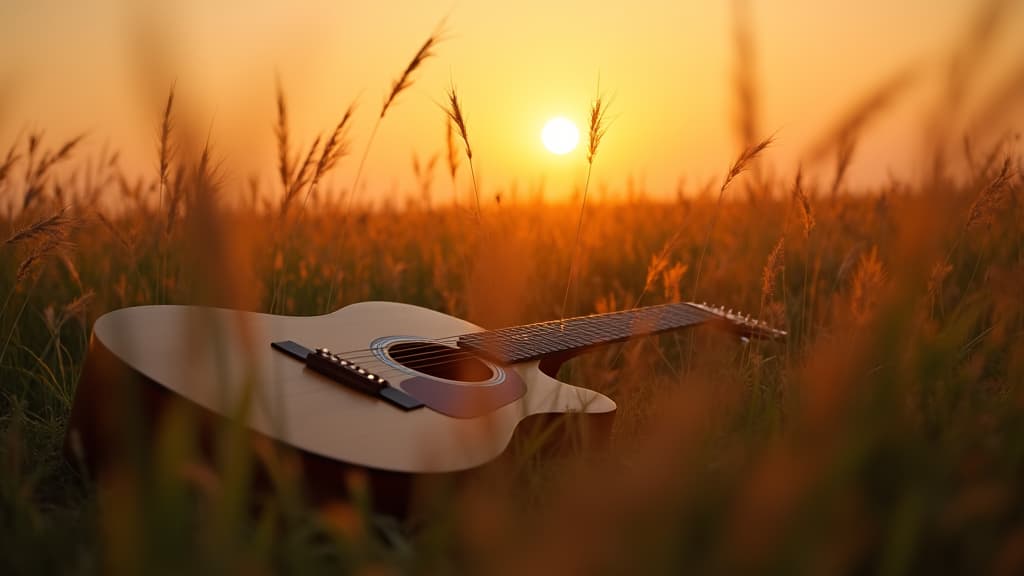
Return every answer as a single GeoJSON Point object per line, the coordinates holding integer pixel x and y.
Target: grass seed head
{"type": "Point", "coordinates": [991, 198]}
{"type": "Point", "coordinates": [803, 204]}
{"type": "Point", "coordinates": [403, 82]}
{"type": "Point", "coordinates": [453, 156]}
{"type": "Point", "coordinates": [166, 148]}
{"type": "Point", "coordinates": [772, 269]}
{"type": "Point", "coordinates": [455, 117]}
{"type": "Point", "coordinates": [598, 125]}
{"type": "Point", "coordinates": [743, 161]}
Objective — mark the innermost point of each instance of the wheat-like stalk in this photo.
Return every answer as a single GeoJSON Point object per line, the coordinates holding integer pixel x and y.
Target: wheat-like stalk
{"type": "Point", "coordinates": [48, 227]}
{"type": "Point", "coordinates": [399, 85]}
{"type": "Point", "coordinates": [453, 157]}
{"type": "Point", "coordinates": [78, 307]}
{"type": "Point", "coordinates": [458, 120]}
{"type": "Point", "coordinates": [772, 268]}
{"type": "Point", "coordinates": [166, 150]}
{"type": "Point", "coordinates": [335, 148]}
{"type": "Point", "coordinates": [597, 128]}
{"type": "Point", "coordinates": [990, 199]}
{"type": "Point", "coordinates": [742, 162]}
{"type": "Point", "coordinates": [868, 281]}
{"type": "Point", "coordinates": [52, 242]}
{"type": "Point", "coordinates": [803, 204]}
{"type": "Point", "coordinates": [403, 82]}
{"type": "Point", "coordinates": [745, 74]}
{"type": "Point", "coordinates": [37, 171]}
{"type": "Point", "coordinates": [10, 159]}
{"type": "Point", "coordinates": [284, 160]}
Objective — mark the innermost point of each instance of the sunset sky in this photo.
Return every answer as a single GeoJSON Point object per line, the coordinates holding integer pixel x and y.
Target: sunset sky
{"type": "Point", "coordinates": [104, 66]}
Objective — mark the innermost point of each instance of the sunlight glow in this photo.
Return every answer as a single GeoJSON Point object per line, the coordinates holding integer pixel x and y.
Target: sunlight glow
{"type": "Point", "coordinates": [560, 135]}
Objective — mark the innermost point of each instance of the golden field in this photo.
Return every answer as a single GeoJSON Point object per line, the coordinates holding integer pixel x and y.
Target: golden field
{"type": "Point", "coordinates": [885, 434]}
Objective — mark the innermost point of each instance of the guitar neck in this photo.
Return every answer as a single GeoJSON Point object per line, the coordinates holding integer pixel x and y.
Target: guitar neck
{"type": "Point", "coordinates": [573, 335]}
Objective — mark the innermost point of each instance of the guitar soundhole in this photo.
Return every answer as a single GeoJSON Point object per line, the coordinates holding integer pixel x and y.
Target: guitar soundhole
{"type": "Point", "coordinates": [440, 361]}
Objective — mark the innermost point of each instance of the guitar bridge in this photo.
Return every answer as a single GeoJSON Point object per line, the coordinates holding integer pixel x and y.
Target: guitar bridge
{"type": "Point", "coordinates": [343, 371]}
{"type": "Point", "coordinates": [349, 373]}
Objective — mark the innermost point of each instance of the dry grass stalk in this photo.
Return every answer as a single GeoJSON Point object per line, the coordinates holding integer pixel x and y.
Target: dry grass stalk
{"type": "Point", "coordinates": [336, 148]}
{"type": "Point", "coordinates": [803, 204]}
{"type": "Point", "coordinates": [998, 108]}
{"type": "Point", "coordinates": [453, 155]}
{"type": "Point", "coordinates": [51, 226]}
{"type": "Point", "coordinates": [456, 118]}
{"type": "Point", "coordinates": [937, 277]}
{"type": "Point", "coordinates": [598, 127]}
{"type": "Point", "coordinates": [285, 164]}
{"type": "Point", "coordinates": [424, 174]}
{"type": "Point", "coordinates": [967, 59]}
{"type": "Point", "coordinates": [176, 192]}
{"type": "Point", "coordinates": [121, 238]}
{"type": "Point", "coordinates": [166, 148]}
{"type": "Point", "coordinates": [672, 280]}
{"type": "Point", "coordinates": [658, 267]}
{"type": "Point", "coordinates": [301, 176]}
{"type": "Point", "coordinates": [745, 80]}
{"type": "Point", "coordinates": [207, 180]}
{"type": "Point", "coordinates": [36, 172]}
{"type": "Point", "coordinates": [454, 112]}
{"type": "Point", "coordinates": [50, 245]}
{"type": "Point", "coordinates": [69, 265]}
{"type": "Point", "coordinates": [844, 155]}
{"type": "Point", "coordinates": [79, 307]}
{"type": "Point", "coordinates": [990, 199]}
{"type": "Point", "coordinates": [10, 159]}
{"type": "Point", "coordinates": [868, 281]}
{"type": "Point", "coordinates": [772, 269]}
{"type": "Point", "coordinates": [742, 162]}
{"type": "Point", "coordinates": [863, 112]}
{"type": "Point", "coordinates": [403, 82]}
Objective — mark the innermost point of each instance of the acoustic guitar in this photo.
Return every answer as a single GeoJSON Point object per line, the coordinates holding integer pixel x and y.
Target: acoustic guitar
{"type": "Point", "coordinates": [395, 389]}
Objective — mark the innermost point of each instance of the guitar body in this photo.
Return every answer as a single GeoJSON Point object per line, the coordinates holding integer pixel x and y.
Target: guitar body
{"type": "Point", "coordinates": [221, 363]}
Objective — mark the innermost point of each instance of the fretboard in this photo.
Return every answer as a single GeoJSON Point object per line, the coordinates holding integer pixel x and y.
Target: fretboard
{"type": "Point", "coordinates": [569, 336]}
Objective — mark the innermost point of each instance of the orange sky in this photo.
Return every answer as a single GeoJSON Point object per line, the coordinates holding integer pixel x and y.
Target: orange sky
{"type": "Point", "coordinates": [104, 68]}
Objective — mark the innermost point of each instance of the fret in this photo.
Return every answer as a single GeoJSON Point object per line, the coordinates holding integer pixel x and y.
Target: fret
{"type": "Point", "coordinates": [534, 341]}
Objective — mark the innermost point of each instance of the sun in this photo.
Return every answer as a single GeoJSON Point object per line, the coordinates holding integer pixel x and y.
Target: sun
{"type": "Point", "coordinates": [560, 135]}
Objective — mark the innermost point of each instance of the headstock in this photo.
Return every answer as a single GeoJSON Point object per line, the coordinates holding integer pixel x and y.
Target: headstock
{"type": "Point", "coordinates": [744, 326]}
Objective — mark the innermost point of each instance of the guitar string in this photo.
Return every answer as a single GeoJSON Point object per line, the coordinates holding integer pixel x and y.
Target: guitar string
{"type": "Point", "coordinates": [547, 329]}
{"type": "Point", "coordinates": [687, 318]}
{"type": "Point", "coordinates": [458, 355]}
{"type": "Point", "coordinates": [455, 354]}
